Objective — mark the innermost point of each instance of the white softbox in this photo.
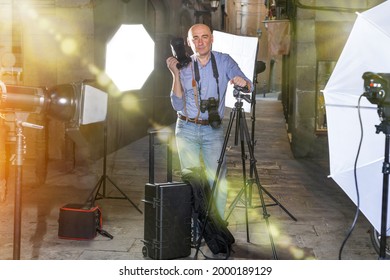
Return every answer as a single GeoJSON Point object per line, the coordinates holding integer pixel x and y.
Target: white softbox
{"type": "Point", "coordinates": [243, 49]}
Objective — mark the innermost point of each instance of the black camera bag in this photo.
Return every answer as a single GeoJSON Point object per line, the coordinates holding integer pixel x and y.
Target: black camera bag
{"type": "Point", "coordinates": [216, 234]}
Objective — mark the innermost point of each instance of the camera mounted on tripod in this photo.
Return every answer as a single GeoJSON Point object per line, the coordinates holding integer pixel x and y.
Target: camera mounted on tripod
{"type": "Point", "coordinates": [240, 93]}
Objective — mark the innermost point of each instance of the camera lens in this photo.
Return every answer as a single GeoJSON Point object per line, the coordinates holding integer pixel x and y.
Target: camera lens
{"type": "Point", "coordinates": [214, 118]}
{"type": "Point", "coordinates": [203, 105]}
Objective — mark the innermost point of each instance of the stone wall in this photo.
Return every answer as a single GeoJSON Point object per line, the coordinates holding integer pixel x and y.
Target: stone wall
{"type": "Point", "coordinates": [320, 30]}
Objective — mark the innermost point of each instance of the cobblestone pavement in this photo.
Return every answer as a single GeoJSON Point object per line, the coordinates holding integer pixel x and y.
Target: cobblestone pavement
{"type": "Point", "coordinates": [322, 210]}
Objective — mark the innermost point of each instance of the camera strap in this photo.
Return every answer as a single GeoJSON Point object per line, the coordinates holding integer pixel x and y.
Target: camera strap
{"type": "Point", "coordinates": [215, 74]}
{"type": "Point", "coordinates": [194, 83]}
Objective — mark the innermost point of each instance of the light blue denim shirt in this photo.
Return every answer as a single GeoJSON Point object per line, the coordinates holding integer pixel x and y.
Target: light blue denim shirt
{"type": "Point", "coordinates": [227, 70]}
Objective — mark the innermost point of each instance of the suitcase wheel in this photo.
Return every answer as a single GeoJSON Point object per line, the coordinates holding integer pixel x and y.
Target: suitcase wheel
{"type": "Point", "coordinates": [145, 251]}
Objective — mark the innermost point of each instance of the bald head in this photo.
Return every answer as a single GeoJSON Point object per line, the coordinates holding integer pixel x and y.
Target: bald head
{"type": "Point", "coordinates": [200, 40]}
{"type": "Point", "coordinates": [198, 26]}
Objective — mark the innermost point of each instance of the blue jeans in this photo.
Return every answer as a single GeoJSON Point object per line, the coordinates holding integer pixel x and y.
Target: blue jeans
{"type": "Point", "coordinates": [202, 142]}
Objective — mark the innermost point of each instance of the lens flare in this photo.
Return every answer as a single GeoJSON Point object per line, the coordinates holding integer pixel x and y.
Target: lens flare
{"type": "Point", "coordinates": [130, 103]}
{"type": "Point", "coordinates": [69, 46]}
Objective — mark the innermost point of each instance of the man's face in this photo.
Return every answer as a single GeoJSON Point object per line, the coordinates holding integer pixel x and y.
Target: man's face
{"type": "Point", "coordinates": [200, 39]}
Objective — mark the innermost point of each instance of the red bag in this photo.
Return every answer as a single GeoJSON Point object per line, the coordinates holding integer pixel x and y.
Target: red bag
{"type": "Point", "coordinates": [80, 222]}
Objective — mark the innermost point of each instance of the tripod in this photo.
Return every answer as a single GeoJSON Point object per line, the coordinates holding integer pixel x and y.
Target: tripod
{"type": "Point", "coordinates": [385, 128]}
{"type": "Point", "coordinates": [260, 67]}
{"type": "Point", "coordinates": [104, 178]}
{"type": "Point", "coordinates": [242, 128]}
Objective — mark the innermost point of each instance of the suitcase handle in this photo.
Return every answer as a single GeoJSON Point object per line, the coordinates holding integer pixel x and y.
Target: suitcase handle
{"type": "Point", "coordinates": [149, 202]}
{"type": "Point", "coordinates": [152, 133]}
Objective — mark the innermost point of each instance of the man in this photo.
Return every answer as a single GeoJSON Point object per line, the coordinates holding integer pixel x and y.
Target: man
{"type": "Point", "coordinates": [207, 76]}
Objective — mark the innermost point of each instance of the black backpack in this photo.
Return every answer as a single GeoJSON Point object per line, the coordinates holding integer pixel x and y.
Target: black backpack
{"type": "Point", "coordinates": [216, 234]}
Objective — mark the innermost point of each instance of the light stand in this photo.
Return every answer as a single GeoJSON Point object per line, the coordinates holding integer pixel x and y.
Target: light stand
{"type": "Point", "coordinates": [18, 161]}
{"type": "Point", "coordinates": [259, 68]}
{"type": "Point", "coordinates": [121, 56]}
{"type": "Point", "coordinates": [103, 179]}
{"type": "Point", "coordinates": [18, 191]}
{"type": "Point", "coordinates": [384, 127]}
{"type": "Point", "coordinates": [71, 103]}
{"type": "Point", "coordinates": [377, 91]}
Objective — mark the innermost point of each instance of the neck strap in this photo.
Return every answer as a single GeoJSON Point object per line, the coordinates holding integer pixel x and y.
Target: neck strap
{"type": "Point", "coordinates": [215, 73]}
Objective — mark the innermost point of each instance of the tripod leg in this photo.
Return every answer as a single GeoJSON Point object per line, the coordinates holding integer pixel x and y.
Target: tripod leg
{"type": "Point", "coordinates": [253, 161]}
{"type": "Point", "coordinates": [247, 185]}
{"type": "Point", "coordinates": [222, 155]}
{"type": "Point", "coordinates": [243, 159]}
{"type": "Point", "coordinates": [238, 107]}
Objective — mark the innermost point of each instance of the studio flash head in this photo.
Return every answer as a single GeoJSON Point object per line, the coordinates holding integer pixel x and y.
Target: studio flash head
{"type": "Point", "coordinates": [376, 90]}
{"type": "Point", "coordinates": [376, 87]}
{"type": "Point", "coordinates": [75, 104]}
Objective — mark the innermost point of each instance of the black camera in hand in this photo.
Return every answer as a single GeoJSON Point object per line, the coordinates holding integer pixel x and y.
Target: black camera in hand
{"type": "Point", "coordinates": [211, 105]}
{"type": "Point", "coordinates": [179, 51]}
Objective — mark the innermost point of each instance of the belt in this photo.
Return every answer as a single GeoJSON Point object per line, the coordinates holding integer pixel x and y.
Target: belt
{"type": "Point", "coordinates": [201, 122]}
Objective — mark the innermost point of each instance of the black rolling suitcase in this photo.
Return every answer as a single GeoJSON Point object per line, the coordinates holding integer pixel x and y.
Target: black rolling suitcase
{"type": "Point", "coordinates": [167, 212]}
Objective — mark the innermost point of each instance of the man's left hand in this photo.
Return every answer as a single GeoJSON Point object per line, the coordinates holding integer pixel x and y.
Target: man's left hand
{"type": "Point", "coordinates": [239, 81]}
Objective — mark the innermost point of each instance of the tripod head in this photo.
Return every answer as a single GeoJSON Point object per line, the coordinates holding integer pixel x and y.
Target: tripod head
{"type": "Point", "coordinates": [241, 93]}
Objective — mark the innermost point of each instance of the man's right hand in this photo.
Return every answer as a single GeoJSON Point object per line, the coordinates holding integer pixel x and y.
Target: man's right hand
{"type": "Point", "coordinates": [172, 65]}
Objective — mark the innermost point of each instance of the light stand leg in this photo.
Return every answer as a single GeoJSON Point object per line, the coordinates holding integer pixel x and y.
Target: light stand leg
{"type": "Point", "coordinates": [19, 152]}
{"type": "Point", "coordinates": [3, 162]}
{"type": "Point", "coordinates": [253, 142]}
{"type": "Point", "coordinates": [245, 130]}
{"type": "Point", "coordinates": [104, 177]}
{"type": "Point", "coordinates": [18, 192]}
{"type": "Point", "coordinates": [385, 194]}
